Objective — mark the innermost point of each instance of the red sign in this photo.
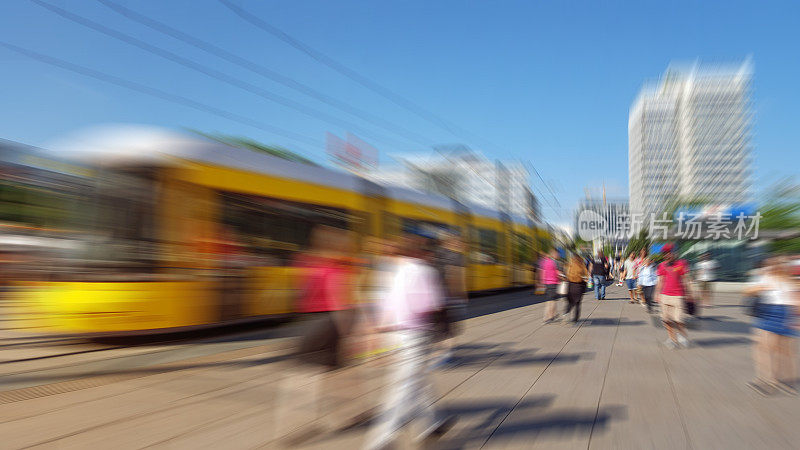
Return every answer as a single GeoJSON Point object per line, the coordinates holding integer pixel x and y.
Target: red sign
{"type": "Point", "coordinates": [353, 154]}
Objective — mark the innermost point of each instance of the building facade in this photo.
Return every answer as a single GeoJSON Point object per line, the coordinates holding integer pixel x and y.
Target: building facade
{"type": "Point", "coordinates": [689, 139]}
{"type": "Point", "coordinates": [615, 217]}
{"type": "Point", "coordinates": [467, 177]}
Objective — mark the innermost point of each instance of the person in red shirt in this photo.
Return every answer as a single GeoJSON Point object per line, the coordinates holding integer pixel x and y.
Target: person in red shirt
{"type": "Point", "coordinates": [325, 298]}
{"type": "Point", "coordinates": [325, 301]}
{"type": "Point", "coordinates": [670, 293]}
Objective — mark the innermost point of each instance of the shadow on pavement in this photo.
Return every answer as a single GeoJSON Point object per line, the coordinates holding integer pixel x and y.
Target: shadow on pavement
{"type": "Point", "coordinates": [721, 342]}
{"type": "Point", "coordinates": [479, 346]}
{"type": "Point", "coordinates": [516, 358]}
{"type": "Point", "coordinates": [561, 423]}
{"type": "Point", "coordinates": [465, 408]}
{"type": "Point", "coordinates": [723, 324]}
{"type": "Point", "coordinates": [143, 371]}
{"type": "Point", "coordinates": [612, 322]}
{"type": "Point", "coordinates": [481, 306]}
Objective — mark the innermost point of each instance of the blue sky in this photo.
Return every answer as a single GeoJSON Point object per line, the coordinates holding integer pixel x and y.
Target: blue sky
{"type": "Point", "coordinates": [545, 82]}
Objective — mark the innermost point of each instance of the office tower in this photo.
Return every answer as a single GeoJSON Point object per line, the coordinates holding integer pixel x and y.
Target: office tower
{"type": "Point", "coordinates": [689, 139]}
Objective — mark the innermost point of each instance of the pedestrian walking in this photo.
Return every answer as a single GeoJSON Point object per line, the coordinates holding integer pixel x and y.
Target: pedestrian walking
{"type": "Point", "coordinates": [450, 266]}
{"type": "Point", "coordinates": [648, 279]}
{"type": "Point", "coordinates": [600, 268]}
{"type": "Point", "coordinates": [325, 298]}
{"type": "Point", "coordinates": [706, 274]}
{"type": "Point", "coordinates": [670, 293]}
{"type": "Point", "coordinates": [776, 324]}
{"type": "Point", "coordinates": [405, 321]}
{"type": "Point", "coordinates": [629, 275]}
{"type": "Point", "coordinates": [638, 296]}
{"type": "Point", "coordinates": [328, 316]}
{"type": "Point", "coordinates": [576, 278]}
{"type": "Point", "coordinates": [548, 267]}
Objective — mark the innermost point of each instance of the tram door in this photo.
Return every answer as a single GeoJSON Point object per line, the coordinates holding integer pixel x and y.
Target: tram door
{"type": "Point", "coordinates": [232, 277]}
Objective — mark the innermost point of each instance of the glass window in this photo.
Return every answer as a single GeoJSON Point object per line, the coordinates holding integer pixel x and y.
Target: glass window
{"type": "Point", "coordinates": [275, 229]}
{"type": "Point", "coordinates": [486, 248]}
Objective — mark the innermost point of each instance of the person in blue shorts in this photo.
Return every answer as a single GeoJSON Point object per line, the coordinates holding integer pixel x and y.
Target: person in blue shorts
{"type": "Point", "coordinates": [629, 275]}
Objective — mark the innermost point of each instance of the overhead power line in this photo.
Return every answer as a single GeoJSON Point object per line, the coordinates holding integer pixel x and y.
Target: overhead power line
{"type": "Point", "coordinates": [263, 71]}
{"type": "Point", "coordinates": [211, 72]}
{"type": "Point", "coordinates": [362, 80]}
{"type": "Point", "coordinates": [343, 69]}
{"type": "Point", "coordinates": [545, 185]}
{"type": "Point", "coordinates": [153, 92]}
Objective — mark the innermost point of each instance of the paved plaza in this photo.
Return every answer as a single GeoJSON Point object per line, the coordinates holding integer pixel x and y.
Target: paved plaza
{"type": "Point", "coordinates": [606, 383]}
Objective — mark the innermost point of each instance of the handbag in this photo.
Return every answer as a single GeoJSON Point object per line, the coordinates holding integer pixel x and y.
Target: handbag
{"type": "Point", "coordinates": [562, 289]}
{"type": "Point", "coordinates": [689, 304]}
{"type": "Point", "coordinates": [690, 307]}
{"type": "Point", "coordinates": [752, 306]}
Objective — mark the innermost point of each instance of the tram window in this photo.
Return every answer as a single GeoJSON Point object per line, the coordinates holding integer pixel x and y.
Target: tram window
{"type": "Point", "coordinates": [486, 250]}
{"type": "Point", "coordinates": [117, 217]}
{"type": "Point", "coordinates": [31, 205]}
{"type": "Point", "coordinates": [276, 228]}
{"type": "Point", "coordinates": [427, 227]}
{"type": "Point", "coordinates": [522, 250]}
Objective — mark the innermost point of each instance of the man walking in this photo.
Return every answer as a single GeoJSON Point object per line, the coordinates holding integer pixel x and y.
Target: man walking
{"type": "Point", "coordinates": [629, 275]}
{"type": "Point", "coordinates": [599, 273]}
{"type": "Point", "coordinates": [670, 294]}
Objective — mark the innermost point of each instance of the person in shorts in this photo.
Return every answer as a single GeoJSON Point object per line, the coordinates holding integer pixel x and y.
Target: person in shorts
{"type": "Point", "coordinates": [776, 328]}
{"type": "Point", "coordinates": [647, 282]}
{"type": "Point", "coordinates": [670, 294]}
{"type": "Point", "coordinates": [629, 275]}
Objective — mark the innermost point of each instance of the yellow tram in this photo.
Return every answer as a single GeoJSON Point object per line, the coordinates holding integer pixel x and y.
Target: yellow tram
{"type": "Point", "coordinates": [158, 211]}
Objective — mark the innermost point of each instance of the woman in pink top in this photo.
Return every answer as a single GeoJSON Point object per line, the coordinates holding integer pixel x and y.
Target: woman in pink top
{"type": "Point", "coordinates": [325, 298]}
{"type": "Point", "coordinates": [670, 293]}
{"type": "Point", "coordinates": [550, 279]}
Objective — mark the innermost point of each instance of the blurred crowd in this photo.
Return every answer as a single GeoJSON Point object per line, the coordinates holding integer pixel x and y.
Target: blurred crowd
{"type": "Point", "coordinates": [402, 296]}
{"type": "Point", "coordinates": [679, 292]}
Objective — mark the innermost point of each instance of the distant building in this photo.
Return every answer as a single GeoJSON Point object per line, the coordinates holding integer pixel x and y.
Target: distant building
{"type": "Point", "coordinates": [467, 177]}
{"type": "Point", "coordinates": [616, 219]}
{"type": "Point", "coordinates": [689, 138]}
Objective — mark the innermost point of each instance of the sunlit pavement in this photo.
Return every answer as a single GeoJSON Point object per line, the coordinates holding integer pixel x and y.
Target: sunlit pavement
{"type": "Point", "coordinates": [606, 383]}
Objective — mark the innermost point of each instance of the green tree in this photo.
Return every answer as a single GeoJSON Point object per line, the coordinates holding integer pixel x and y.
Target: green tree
{"type": "Point", "coordinates": [638, 242]}
{"type": "Point", "coordinates": [250, 144]}
{"type": "Point", "coordinates": [677, 202]}
{"type": "Point", "coordinates": [780, 210]}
